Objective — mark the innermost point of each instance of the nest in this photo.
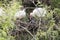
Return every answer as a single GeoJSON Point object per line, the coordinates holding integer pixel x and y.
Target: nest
{"type": "Point", "coordinates": [25, 28]}
{"type": "Point", "coordinates": [31, 25]}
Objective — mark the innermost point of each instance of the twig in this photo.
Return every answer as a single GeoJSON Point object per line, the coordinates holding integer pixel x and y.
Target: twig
{"type": "Point", "coordinates": [26, 30]}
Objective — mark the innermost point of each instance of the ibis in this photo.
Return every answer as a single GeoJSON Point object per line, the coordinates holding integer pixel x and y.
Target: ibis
{"type": "Point", "coordinates": [20, 14]}
{"type": "Point", "coordinates": [39, 12]}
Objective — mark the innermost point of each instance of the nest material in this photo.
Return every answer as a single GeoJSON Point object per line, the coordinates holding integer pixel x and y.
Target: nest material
{"type": "Point", "coordinates": [20, 32]}
{"type": "Point", "coordinates": [32, 25]}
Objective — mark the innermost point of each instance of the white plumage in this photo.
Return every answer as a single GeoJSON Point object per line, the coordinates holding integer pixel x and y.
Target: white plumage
{"type": "Point", "coordinates": [20, 14]}
{"type": "Point", "coordinates": [39, 12]}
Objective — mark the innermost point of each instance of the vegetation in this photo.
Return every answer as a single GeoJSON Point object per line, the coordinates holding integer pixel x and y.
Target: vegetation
{"type": "Point", "coordinates": [49, 25]}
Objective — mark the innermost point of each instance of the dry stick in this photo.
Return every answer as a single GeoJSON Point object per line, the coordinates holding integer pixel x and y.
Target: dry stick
{"type": "Point", "coordinates": [39, 23]}
{"type": "Point", "coordinates": [26, 30]}
{"type": "Point", "coordinates": [29, 32]}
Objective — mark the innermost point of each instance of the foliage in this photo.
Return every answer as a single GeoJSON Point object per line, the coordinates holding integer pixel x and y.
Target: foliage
{"type": "Point", "coordinates": [6, 21]}
{"type": "Point", "coordinates": [55, 3]}
{"type": "Point", "coordinates": [51, 21]}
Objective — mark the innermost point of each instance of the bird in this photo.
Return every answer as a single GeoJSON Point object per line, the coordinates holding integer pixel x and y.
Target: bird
{"type": "Point", "coordinates": [20, 14]}
{"type": "Point", "coordinates": [39, 12]}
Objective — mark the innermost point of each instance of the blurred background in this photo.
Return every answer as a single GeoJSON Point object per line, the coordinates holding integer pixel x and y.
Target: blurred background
{"type": "Point", "coordinates": [29, 19]}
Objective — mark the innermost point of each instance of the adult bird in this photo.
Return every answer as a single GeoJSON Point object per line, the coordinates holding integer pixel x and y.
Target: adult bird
{"type": "Point", "coordinates": [39, 12]}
